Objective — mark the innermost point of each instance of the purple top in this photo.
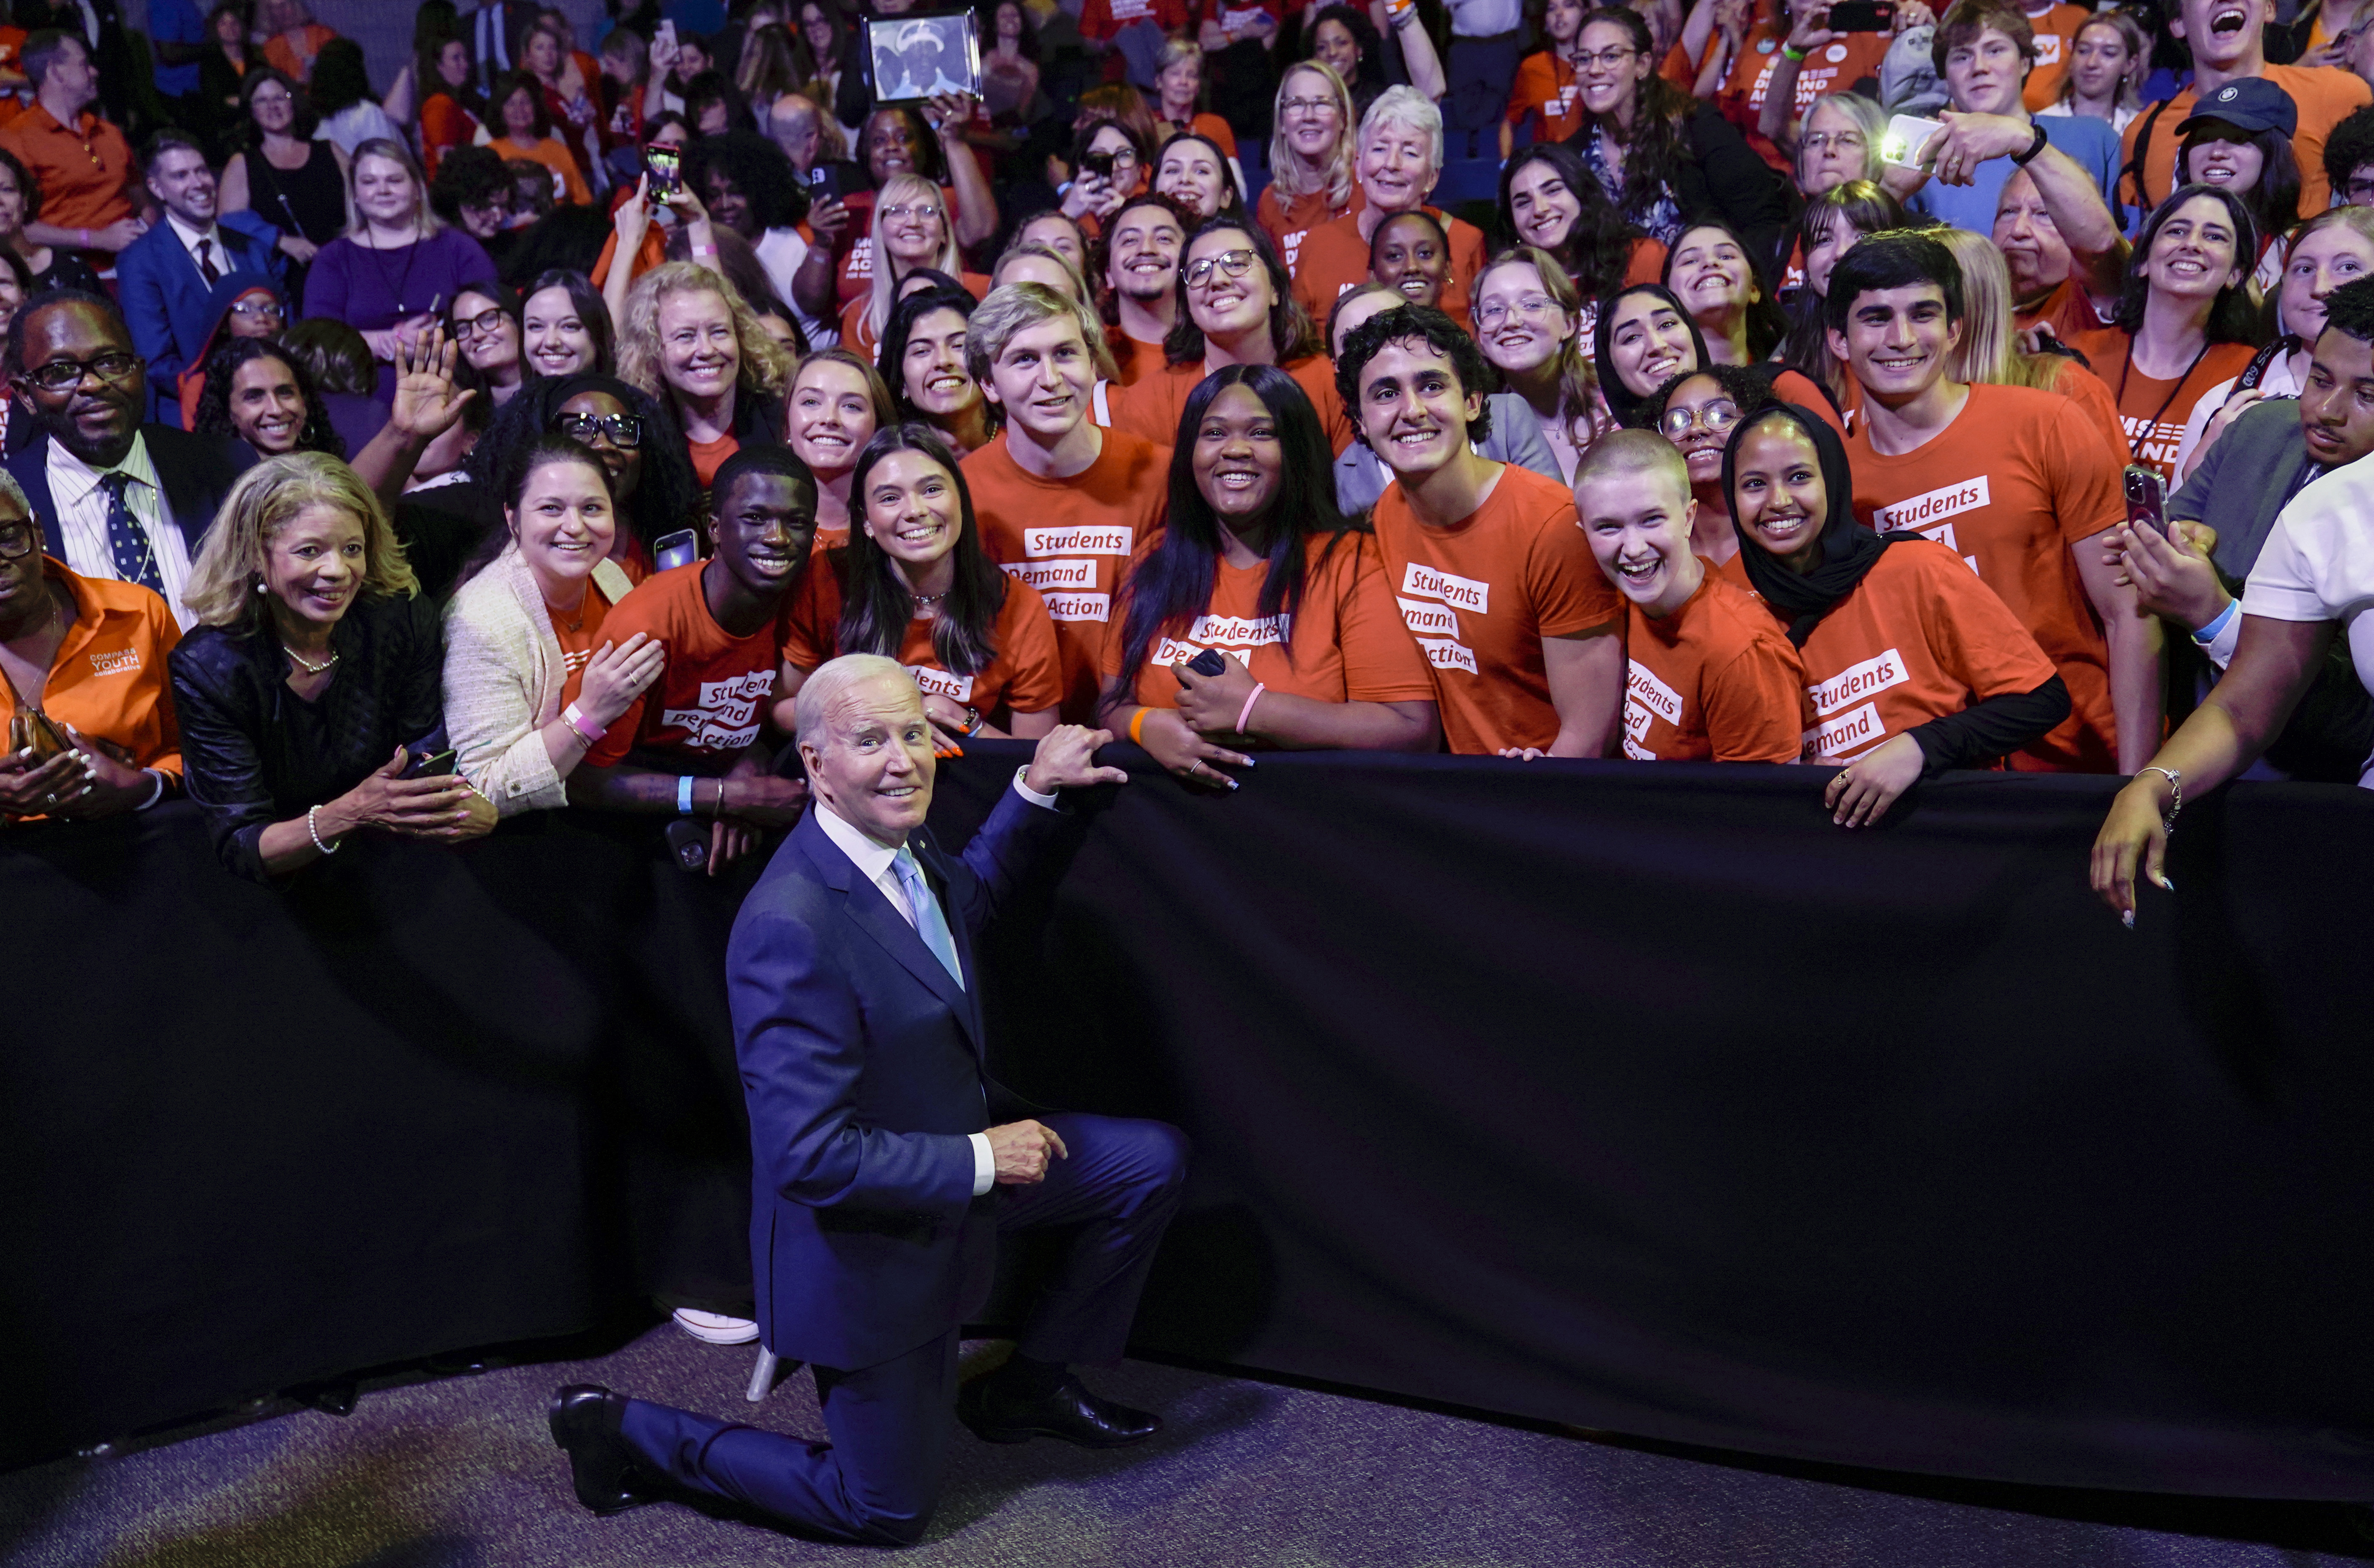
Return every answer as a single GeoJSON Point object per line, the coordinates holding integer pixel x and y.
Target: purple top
{"type": "Point", "coordinates": [372, 290]}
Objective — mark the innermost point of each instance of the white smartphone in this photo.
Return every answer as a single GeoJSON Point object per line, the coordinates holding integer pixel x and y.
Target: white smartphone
{"type": "Point", "coordinates": [1907, 134]}
{"type": "Point", "coordinates": [665, 35]}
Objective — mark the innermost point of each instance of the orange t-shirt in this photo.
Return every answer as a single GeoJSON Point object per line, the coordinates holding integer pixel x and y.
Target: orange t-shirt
{"type": "Point", "coordinates": [1480, 596]}
{"type": "Point", "coordinates": [1346, 643]}
{"type": "Point", "coordinates": [553, 154]}
{"type": "Point", "coordinates": [2324, 96]}
{"type": "Point", "coordinates": [1548, 90]}
{"type": "Point", "coordinates": [1920, 637]}
{"type": "Point", "coordinates": [1071, 538]}
{"type": "Point", "coordinates": [578, 642]}
{"type": "Point", "coordinates": [712, 695]}
{"type": "Point", "coordinates": [2068, 310]}
{"type": "Point", "coordinates": [2012, 485]}
{"type": "Point", "coordinates": [1335, 258]}
{"type": "Point", "coordinates": [1101, 20]}
{"type": "Point", "coordinates": [2152, 412]}
{"type": "Point", "coordinates": [1025, 675]}
{"type": "Point", "coordinates": [444, 125]}
{"type": "Point", "coordinates": [1218, 131]}
{"type": "Point", "coordinates": [1151, 409]}
{"type": "Point", "coordinates": [1713, 681]}
{"type": "Point", "coordinates": [857, 334]}
{"type": "Point", "coordinates": [2084, 389]}
{"type": "Point", "coordinates": [708, 457]}
{"type": "Point", "coordinates": [1133, 360]}
{"type": "Point", "coordinates": [1834, 68]}
{"type": "Point", "coordinates": [1288, 224]}
{"type": "Point", "coordinates": [108, 678]}
{"type": "Point", "coordinates": [2056, 41]}
{"type": "Point", "coordinates": [297, 59]}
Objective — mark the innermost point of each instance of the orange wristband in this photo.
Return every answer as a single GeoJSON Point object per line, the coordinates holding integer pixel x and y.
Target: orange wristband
{"type": "Point", "coordinates": [1136, 723]}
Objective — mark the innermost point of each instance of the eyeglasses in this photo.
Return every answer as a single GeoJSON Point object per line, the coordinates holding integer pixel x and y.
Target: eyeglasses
{"type": "Point", "coordinates": [1307, 106]}
{"type": "Point", "coordinates": [1234, 264]}
{"type": "Point", "coordinates": [898, 210]}
{"type": "Point", "coordinates": [258, 308]}
{"type": "Point", "coordinates": [65, 375]}
{"type": "Point", "coordinates": [625, 430]}
{"type": "Point", "coordinates": [270, 100]}
{"type": "Point", "coordinates": [472, 326]}
{"type": "Point", "coordinates": [1533, 307]}
{"type": "Point", "coordinates": [1822, 141]}
{"type": "Point", "coordinates": [1605, 59]}
{"type": "Point", "coordinates": [16, 540]}
{"type": "Point", "coordinates": [1715, 418]}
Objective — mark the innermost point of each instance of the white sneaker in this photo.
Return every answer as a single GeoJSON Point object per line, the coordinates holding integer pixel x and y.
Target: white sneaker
{"type": "Point", "coordinates": [715, 1327]}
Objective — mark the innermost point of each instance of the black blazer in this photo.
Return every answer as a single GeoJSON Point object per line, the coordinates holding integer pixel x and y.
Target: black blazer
{"type": "Point", "coordinates": [197, 471]}
{"type": "Point", "coordinates": [863, 1064]}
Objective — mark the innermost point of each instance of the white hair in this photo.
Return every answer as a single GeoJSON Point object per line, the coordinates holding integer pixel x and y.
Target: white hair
{"type": "Point", "coordinates": [16, 491]}
{"type": "Point", "coordinates": [1409, 107]}
{"type": "Point", "coordinates": [834, 679]}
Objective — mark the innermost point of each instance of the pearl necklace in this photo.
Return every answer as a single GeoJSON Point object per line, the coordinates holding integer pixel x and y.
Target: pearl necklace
{"type": "Point", "coordinates": [308, 665]}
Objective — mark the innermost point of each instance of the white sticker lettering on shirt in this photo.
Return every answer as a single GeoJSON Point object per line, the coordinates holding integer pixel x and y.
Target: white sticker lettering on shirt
{"type": "Point", "coordinates": [1079, 606]}
{"type": "Point", "coordinates": [1424, 581]}
{"type": "Point", "coordinates": [1049, 577]}
{"type": "Point", "coordinates": [726, 719]}
{"type": "Point", "coordinates": [1444, 654]}
{"type": "Point", "coordinates": [940, 683]}
{"type": "Point", "coordinates": [1427, 620]}
{"type": "Point", "coordinates": [1925, 512]}
{"type": "Point", "coordinates": [1042, 541]}
{"type": "Point", "coordinates": [1858, 682]}
{"type": "Point", "coordinates": [1835, 740]}
{"type": "Point", "coordinates": [1637, 720]}
{"type": "Point", "coordinates": [1653, 694]}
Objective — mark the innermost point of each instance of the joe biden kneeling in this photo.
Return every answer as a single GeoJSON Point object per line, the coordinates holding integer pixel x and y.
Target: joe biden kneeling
{"type": "Point", "coordinates": [887, 1162]}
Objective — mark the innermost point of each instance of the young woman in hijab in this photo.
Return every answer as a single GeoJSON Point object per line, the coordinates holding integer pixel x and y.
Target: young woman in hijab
{"type": "Point", "coordinates": [1970, 684]}
{"type": "Point", "coordinates": [1646, 338]}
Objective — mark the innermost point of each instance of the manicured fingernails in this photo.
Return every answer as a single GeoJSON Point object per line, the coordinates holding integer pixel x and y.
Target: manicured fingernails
{"type": "Point", "coordinates": [2166, 886]}
{"type": "Point", "coordinates": [2127, 918]}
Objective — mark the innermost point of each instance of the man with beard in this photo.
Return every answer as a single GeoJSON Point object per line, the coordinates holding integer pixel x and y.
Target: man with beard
{"type": "Point", "coordinates": [1142, 247]}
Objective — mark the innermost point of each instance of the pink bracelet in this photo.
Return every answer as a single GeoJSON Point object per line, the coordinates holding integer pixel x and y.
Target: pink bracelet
{"type": "Point", "coordinates": [1245, 715]}
{"type": "Point", "coordinates": [587, 731]}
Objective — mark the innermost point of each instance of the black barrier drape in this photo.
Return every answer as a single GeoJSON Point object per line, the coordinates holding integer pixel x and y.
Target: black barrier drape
{"type": "Point", "coordinates": [1636, 1098]}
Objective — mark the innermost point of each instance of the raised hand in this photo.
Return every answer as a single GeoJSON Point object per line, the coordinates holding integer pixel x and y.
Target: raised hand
{"type": "Point", "coordinates": [427, 403]}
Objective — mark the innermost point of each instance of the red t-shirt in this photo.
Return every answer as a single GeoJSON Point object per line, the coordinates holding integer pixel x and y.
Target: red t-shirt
{"type": "Point", "coordinates": [579, 640]}
{"type": "Point", "coordinates": [1920, 637]}
{"type": "Point", "coordinates": [708, 457]}
{"type": "Point", "coordinates": [1288, 224]}
{"type": "Point", "coordinates": [1133, 360]}
{"type": "Point", "coordinates": [1335, 258]}
{"type": "Point", "coordinates": [2154, 412]}
{"type": "Point", "coordinates": [1151, 409]}
{"type": "Point", "coordinates": [712, 696]}
{"type": "Point", "coordinates": [1023, 677]}
{"type": "Point", "coordinates": [1480, 596]}
{"type": "Point", "coordinates": [857, 276]}
{"type": "Point", "coordinates": [1101, 20]}
{"type": "Point", "coordinates": [1071, 540]}
{"type": "Point", "coordinates": [857, 332]}
{"type": "Point", "coordinates": [2068, 310]}
{"type": "Point", "coordinates": [1548, 90]}
{"type": "Point", "coordinates": [1346, 642]}
{"type": "Point", "coordinates": [1713, 681]}
{"type": "Point", "coordinates": [2012, 485]}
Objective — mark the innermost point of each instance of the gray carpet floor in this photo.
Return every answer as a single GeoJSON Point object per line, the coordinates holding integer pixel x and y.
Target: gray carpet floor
{"type": "Point", "coordinates": [460, 1473]}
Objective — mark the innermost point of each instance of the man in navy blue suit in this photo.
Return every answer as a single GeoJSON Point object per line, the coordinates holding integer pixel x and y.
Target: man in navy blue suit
{"type": "Point", "coordinates": [167, 276]}
{"type": "Point", "coordinates": [886, 1160]}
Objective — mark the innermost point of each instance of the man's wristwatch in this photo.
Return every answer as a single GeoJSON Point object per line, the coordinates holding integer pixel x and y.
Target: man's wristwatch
{"type": "Point", "coordinates": [2022, 159]}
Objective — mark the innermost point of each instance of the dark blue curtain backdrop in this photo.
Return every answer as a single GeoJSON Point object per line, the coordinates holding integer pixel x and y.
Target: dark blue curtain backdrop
{"type": "Point", "coordinates": [1635, 1098]}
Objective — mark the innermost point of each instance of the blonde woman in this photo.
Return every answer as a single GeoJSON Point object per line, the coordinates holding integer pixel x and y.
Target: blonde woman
{"type": "Point", "coordinates": [398, 264]}
{"type": "Point", "coordinates": [1310, 158]}
{"type": "Point", "coordinates": [911, 229]}
{"type": "Point", "coordinates": [693, 344]}
{"type": "Point", "coordinates": [1989, 353]}
{"type": "Point", "coordinates": [315, 663]}
{"type": "Point", "coordinates": [2106, 62]}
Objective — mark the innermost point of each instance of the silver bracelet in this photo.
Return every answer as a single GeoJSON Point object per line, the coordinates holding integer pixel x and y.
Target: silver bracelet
{"type": "Point", "coordinates": [155, 794]}
{"type": "Point", "coordinates": [2175, 793]}
{"type": "Point", "coordinates": [314, 833]}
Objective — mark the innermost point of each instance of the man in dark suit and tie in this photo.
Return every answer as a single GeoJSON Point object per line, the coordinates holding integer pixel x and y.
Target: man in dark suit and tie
{"type": "Point", "coordinates": [114, 498]}
{"type": "Point", "coordinates": [168, 275]}
{"type": "Point", "coordinates": [886, 1160]}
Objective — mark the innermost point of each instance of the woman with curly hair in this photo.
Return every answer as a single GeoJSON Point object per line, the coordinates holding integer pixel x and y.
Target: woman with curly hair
{"type": "Point", "coordinates": [693, 344]}
{"type": "Point", "coordinates": [257, 392]}
{"type": "Point", "coordinates": [1550, 200]}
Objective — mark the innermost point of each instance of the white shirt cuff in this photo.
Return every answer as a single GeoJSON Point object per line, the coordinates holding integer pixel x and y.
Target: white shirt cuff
{"type": "Point", "coordinates": [2220, 648]}
{"type": "Point", "coordinates": [984, 1163]}
{"type": "Point", "coordinates": [1046, 803]}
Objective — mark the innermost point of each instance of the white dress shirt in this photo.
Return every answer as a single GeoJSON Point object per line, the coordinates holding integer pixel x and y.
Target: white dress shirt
{"type": "Point", "coordinates": [192, 239]}
{"type": "Point", "coordinates": [873, 861]}
{"type": "Point", "coordinates": [82, 519]}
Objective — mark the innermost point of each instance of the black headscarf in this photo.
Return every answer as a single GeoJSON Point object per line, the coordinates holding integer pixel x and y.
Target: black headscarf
{"type": "Point", "coordinates": [1621, 400]}
{"type": "Point", "coordinates": [1847, 551]}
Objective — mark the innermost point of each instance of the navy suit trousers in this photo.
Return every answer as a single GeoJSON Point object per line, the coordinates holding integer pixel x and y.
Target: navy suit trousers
{"type": "Point", "coordinates": [879, 1478]}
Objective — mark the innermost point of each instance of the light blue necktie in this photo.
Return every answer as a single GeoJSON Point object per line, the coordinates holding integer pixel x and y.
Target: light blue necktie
{"type": "Point", "coordinates": [931, 923]}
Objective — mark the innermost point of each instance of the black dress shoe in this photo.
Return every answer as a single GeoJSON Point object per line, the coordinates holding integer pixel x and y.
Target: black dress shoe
{"type": "Point", "coordinates": [1068, 1410]}
{"type": "Point", "coordinates": [584, 1420]}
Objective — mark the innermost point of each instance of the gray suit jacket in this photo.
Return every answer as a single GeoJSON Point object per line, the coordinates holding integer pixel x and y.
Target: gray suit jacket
{"type": "Point", "coordinates": [2244, 480]}
{"type": "Point", "coordinates": [1361, 474]}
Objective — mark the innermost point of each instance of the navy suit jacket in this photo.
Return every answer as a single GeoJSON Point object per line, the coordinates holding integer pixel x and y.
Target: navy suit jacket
{"type": "Point", "coordinates": [196, 472]}
{"type": "Point", "coordinates": [168, 302]}
{"type": "Point", "coordinates": [863, 1063]}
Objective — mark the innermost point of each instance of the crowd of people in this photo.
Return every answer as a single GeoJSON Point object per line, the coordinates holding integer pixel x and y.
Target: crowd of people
{"type": "Point", "coordinates": [526, 435]}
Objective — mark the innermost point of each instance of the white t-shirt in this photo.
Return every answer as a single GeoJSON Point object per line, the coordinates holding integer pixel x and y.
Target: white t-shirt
{"type": "Point", "coordinates": [2318, 564]}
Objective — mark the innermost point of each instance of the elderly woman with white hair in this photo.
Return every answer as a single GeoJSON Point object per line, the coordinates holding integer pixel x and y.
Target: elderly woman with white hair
{"type": "Point", "coordinates": [1397, 157]}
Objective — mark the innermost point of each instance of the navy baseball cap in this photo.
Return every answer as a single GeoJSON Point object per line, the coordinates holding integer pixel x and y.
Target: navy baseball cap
{"type": "Point", "coordinates": [2249, 103]}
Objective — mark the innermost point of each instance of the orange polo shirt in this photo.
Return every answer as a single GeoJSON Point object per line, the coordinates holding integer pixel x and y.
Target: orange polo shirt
{"type": "Point", "coordinates": [109, 679]}
{"type": "Point", "coordinates": [82, 170]}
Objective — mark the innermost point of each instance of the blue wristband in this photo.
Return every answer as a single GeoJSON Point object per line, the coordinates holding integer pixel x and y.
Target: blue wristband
{"type": "Point", "coordinates": [683, 794]}
{"type": "Point", "coordinates": [2208, 634]}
